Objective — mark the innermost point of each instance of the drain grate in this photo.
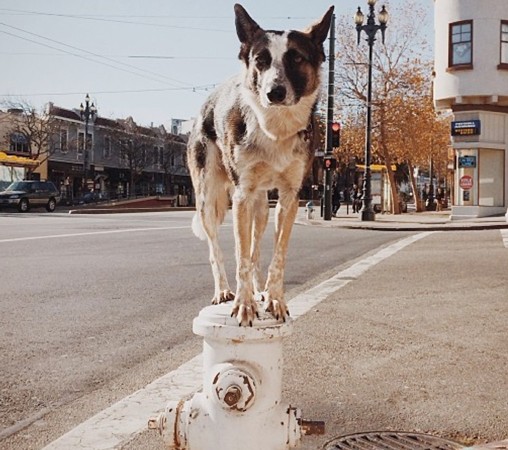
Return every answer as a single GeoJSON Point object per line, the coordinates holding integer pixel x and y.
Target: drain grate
{"type": "Point", "coordinates": [391, 440]}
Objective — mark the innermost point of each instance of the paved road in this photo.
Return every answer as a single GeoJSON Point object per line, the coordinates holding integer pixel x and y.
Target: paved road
{"type": "Point", "coordinates": [93, 308]}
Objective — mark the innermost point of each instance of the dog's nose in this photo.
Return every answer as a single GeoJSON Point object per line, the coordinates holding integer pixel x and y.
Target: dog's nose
{"type": "Point", "coordinates": [277, 94]}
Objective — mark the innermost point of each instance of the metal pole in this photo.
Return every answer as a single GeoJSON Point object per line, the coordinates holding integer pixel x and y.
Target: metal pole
{"type": "Point", "coordinates": [85, 156]}
{"type": "Point", "coordinates": [367, 213]}
{"type": "Point", "coordinates": [327, 194]}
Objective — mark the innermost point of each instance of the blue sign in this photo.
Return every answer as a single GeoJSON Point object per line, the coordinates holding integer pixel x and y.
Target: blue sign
{"type": "Point", "coordinates": [467, 161]}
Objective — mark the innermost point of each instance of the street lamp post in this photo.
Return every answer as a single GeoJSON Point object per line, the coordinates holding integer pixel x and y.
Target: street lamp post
{"type": "Point", "coordinates": [87, 112]}
{"type": "Point", "coordinates": [370, 29]}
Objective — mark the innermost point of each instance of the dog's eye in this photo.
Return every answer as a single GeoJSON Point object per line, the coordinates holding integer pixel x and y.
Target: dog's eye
{"type": "Point", "coordinates": [294, 57]}
{"type": "Point", "coordinates": [263, 60]}
{"type": "Point", "coordinates": [297, 58]}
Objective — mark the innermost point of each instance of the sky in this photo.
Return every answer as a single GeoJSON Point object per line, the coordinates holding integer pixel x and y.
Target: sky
{"type": "Point", "coordinates": [154, 60]}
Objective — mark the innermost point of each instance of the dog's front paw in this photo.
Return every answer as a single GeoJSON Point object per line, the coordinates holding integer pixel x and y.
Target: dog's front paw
{"type": "Point", "coordinates": [244, 311]}
{"type": "Point", "coordinates": [276, 307]}
{"type": "Point", "coordinates": [224, 296]}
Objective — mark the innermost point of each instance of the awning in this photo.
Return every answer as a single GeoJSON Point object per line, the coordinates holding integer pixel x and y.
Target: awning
{"type": "Point", "coordinates": [376, 167]}
{"type": "Point", "coordinates": [17, 161]}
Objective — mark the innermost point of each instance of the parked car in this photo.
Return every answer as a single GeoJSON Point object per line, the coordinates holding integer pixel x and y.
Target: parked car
{"type": "Point", "coordinates": [24, 195]}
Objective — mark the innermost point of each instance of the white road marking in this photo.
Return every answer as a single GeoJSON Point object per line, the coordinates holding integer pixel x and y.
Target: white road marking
{"type": "Point", "coordinates": [504, 235]}
{"type": "Point", "coordinates": [91, 233]}
{"type": "Point", "coordinates": [122, 421]}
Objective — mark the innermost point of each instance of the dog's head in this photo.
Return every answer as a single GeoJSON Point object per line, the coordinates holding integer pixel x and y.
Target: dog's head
{"type": "Point", "coordinates": [282, 66]}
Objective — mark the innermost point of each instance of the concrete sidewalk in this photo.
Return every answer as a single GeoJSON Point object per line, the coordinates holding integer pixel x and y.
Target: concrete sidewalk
{"type": "Point", "coordinates": [413, 221]}
{"type": "Point", "coordinates": [418, 343]}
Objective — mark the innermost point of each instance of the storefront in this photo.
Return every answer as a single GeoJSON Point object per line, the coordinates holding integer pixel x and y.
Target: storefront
{"type": "Point", "coordinates": [14, 168]}
{"type": "Point", "coordinates": [480, 164]}
{"type": "Point", "coordinates": [67, 177]}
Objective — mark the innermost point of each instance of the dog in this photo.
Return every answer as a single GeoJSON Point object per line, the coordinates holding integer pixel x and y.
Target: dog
{"type": "Point", "coordinates": [256, 133]}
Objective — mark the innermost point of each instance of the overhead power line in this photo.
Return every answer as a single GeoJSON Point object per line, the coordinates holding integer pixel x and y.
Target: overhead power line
{"type": "Point", "coordinates": [196, 89]}
{"type": "Point", "coordinates": [90, 53]}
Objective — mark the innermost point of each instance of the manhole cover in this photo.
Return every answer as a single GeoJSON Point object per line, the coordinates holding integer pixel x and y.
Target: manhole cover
{"type": "Point", "coordinates": [391, 440]}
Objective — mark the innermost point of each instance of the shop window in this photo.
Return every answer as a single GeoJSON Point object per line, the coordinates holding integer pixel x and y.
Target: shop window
{"type": "Point", "coordinates": [504, 45]}
{"type": "Point", "coordinates": [491, 176]}
{"type": "Point", "coordinates": [460, 54]}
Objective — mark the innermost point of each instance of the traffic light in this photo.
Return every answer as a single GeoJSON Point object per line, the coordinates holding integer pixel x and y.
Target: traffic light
{"type": "Point", "coordinates": [335, 134]}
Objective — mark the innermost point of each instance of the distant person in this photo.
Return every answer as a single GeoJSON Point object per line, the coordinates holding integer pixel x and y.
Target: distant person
{"type": "Point", "coordinates": [335, 199]}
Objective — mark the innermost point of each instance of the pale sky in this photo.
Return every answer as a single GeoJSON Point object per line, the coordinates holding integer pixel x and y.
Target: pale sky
{"type": "Point", "coordinates": [153, 60]}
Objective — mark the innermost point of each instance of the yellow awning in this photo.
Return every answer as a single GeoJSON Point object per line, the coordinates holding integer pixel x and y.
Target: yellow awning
{"type": "Point", "coordinates": [377, 167]}
{"type": "Point", "coordinates": [17, 161]}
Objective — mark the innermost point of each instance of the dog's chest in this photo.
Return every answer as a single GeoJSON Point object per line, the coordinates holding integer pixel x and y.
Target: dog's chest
{"type": "Point", "coordinates": [267, 163]}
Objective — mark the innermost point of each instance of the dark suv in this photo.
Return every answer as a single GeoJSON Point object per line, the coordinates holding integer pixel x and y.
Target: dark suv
{"type": "Point", "coordinates": [26, 194]}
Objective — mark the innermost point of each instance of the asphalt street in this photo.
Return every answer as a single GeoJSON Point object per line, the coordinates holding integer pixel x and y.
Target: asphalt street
{"type": "Point", "coordinates": [94, 308]}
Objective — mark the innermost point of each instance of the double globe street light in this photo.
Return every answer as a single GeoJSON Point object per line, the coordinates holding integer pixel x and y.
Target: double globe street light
{"type": "Point", "coordinates": [86, 113]}
{"type": "Point", "coordinates": [370, 29]}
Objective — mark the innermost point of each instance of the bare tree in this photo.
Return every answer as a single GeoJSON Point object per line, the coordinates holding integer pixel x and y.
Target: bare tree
{"type": "Point", "coordinates": [401, 82]}
{"type": "Point", "coordinates": [173, 159]}
{"type": "Point", "coordinates": [133, 145]}
{"type": "Point", "coordinates": [36, 128]}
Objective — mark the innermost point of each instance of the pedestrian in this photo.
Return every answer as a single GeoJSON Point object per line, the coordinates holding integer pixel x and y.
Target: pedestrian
{"type": "Point", "coordinates": [356, 198]}
{"type": "Point", "coordinates": [439, 199]}
{"type": "Point", "coordinates": [335, 199]}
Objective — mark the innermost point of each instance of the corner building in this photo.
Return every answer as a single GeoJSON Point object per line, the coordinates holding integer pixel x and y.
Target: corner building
{"type": "Point", "coordinates": [471, 80]}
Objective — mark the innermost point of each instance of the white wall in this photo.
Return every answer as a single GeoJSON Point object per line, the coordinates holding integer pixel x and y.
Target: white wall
{"type": "Point", "coordinates": [484, 79]}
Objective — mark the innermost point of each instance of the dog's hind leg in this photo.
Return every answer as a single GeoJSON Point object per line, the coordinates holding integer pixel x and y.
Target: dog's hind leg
{"type": "Point", "coordinates": [285, 214]}
{"type": "Point", "coordinates": [261, 212]}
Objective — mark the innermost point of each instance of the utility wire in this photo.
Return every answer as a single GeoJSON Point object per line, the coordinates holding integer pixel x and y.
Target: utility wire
{"type": "Point", "coordinates": [97, 19]}
{"type": "Point", "coordinates": [195, 89]}
{"type": "Point", "coordinates": [90, 53]}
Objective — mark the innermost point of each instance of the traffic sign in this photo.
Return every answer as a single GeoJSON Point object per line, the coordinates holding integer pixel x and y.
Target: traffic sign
{"type": "Point", "coordinates": [466, 182]}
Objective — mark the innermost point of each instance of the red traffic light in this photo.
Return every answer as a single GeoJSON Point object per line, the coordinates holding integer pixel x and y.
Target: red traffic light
{"type": "Point", "coordinates": [335, 134]}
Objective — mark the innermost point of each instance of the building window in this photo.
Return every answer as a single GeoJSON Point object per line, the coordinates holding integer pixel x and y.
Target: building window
{"type": "Point", "coordinates": [18, 143]}
{"type": "Point", "coordinates": [107, 147]}
{"type": "Point", "coordinates": [63, 141]}
{"type": "Point", "coordinates": [504, 45]}
{"type": "Point", "coordinates": [461, 45]}
{"type": "Point", "coordinates": [81, 142]}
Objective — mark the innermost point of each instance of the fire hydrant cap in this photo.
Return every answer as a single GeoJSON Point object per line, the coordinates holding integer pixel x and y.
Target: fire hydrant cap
{"type": "Point", "coordinates": [215, 321]}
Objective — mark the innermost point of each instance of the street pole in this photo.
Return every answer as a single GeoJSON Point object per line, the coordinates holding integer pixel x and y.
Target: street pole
{"type": "Point", "coordinates": [329, 160]}
{"type": "Point", "coordinates": [370, 29]}
{"type": "Point", "coordinates": [86, 112]}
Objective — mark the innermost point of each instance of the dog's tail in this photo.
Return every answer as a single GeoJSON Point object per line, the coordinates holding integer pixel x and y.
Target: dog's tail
{"type": "Point", "coordinates": [197, 227]}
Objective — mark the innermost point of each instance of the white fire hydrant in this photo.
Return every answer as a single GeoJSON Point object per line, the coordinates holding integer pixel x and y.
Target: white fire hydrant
{"type": "Point", "coordinates": [240, 405]}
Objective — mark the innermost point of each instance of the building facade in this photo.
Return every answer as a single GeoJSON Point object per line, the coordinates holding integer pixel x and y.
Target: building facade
{"type": "Point", "coordinates": [123, 159]}
{"type": "Point", "coordinates": [471, 80]}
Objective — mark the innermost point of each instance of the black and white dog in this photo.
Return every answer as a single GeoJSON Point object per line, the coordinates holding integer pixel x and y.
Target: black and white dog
{"type": "Point", "coordinates": [255, 133]}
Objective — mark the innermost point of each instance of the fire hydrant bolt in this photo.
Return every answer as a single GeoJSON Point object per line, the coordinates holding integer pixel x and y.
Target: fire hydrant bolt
{"type": "Point", "coordinates": [232, 396]}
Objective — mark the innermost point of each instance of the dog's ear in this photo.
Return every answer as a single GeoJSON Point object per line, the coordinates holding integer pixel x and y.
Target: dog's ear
{"type": "Point", "coordinates": [245, 25]}
{"type": "Point", "coordinates": [319, 31]}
